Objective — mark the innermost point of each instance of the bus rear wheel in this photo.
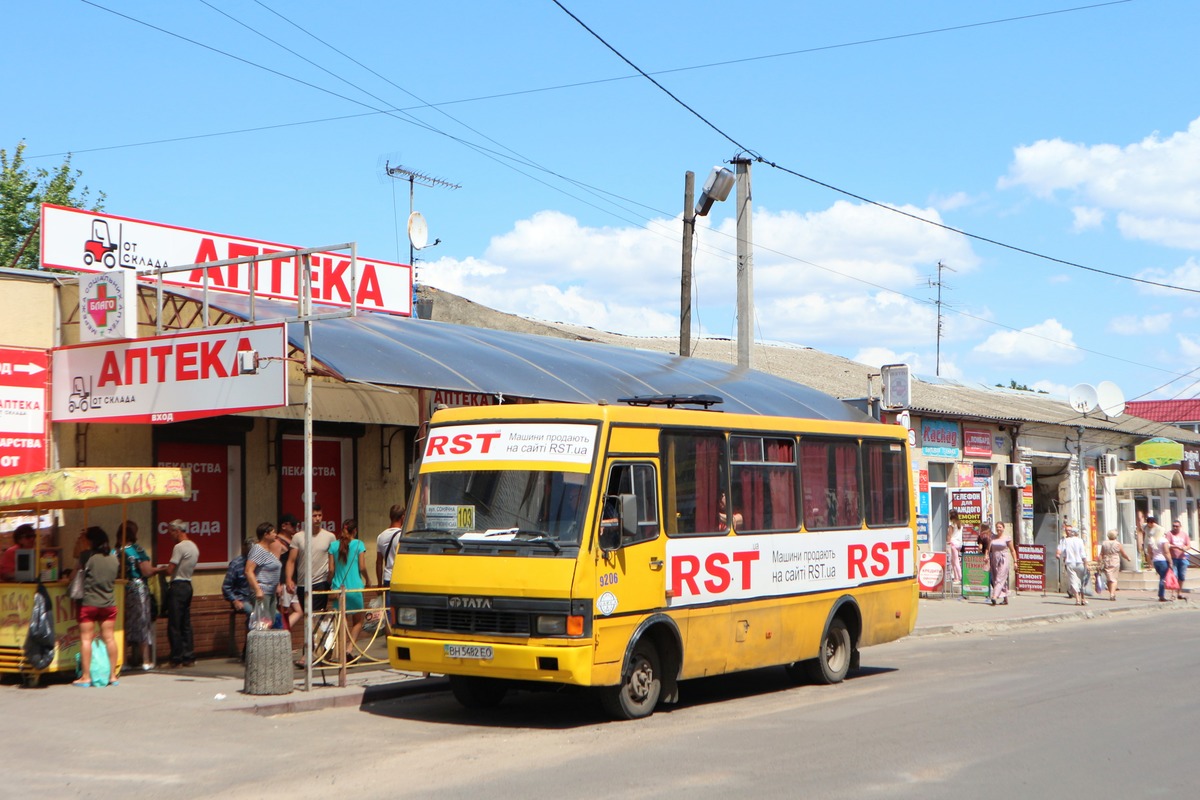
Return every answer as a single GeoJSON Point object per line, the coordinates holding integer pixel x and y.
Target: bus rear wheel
{"type": "Point", "coordinates": [833, 661]}
{"type": "Point", "coordinates": [640, 689]}
{"type": "Point", "coordinates": [477, 693]}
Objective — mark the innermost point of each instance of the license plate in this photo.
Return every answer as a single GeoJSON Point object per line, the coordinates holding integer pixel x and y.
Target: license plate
{"type": "Point", "coordinates": [478, 652]}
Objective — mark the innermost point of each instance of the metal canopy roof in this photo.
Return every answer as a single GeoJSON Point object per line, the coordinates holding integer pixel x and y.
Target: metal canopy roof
{"type": "Point", "coordinates": [399, 351]}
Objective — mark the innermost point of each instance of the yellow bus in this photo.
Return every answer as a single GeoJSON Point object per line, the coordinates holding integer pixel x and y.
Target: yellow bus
{"type": "Point", "coordinates": [632, 546]}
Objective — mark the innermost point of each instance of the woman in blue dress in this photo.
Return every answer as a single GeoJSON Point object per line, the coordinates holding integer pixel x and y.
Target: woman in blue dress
{"type": "Point", "coordinates": [348, 566]}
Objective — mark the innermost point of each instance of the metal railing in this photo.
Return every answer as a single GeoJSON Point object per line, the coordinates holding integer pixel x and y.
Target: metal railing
{"type": "Point", "coordinates": [333, 647]}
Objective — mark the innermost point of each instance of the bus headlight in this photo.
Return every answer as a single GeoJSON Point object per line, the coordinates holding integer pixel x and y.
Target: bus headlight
{"type": "Point", "coordinates": [406, 617]}
{"type": "Point", "coordinates": [555, 625]}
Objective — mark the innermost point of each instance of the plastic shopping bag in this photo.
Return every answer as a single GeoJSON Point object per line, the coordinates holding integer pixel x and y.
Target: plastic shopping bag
{"type": "Point", "coordinates": [100, 669]}
{"type": "Point", "coordinates": [1171, 581]}
{"type": "Point", "coordinates": [261, 616]}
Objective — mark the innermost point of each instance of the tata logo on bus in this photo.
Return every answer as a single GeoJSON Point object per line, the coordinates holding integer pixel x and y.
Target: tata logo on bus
{"type": "Point", "coordinates": [716, 573]}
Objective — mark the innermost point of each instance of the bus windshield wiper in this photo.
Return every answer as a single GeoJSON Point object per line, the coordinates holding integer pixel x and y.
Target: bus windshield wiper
{"type": "Point", "coordinates": [440, 537]}
{"type": "Point", "coordinates": [538, 537]}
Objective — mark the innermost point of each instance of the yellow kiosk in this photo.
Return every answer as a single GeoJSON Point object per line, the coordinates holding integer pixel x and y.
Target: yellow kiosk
{"type": "Point", "coordinates": [78, 488]}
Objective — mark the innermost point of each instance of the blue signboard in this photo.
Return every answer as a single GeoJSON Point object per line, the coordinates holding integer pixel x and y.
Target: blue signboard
{"type": "Point", "coordinates": [940, 439]}
{"type": "Point", "coordinates": [923, 530]}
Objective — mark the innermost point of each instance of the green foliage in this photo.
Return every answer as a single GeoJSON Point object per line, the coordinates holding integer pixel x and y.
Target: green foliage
{"type": "Point", "coordinates": [1020, 387]}
{"type": "Point", "coordinates": [22, 192]}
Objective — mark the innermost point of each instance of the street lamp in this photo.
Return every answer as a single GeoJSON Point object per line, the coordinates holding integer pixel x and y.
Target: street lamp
{"type": "Point", "coordinates": [716, 189]}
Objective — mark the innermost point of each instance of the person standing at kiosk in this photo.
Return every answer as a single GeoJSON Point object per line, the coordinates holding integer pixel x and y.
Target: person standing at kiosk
{"type": "Point", "coordinates": [184, 558]}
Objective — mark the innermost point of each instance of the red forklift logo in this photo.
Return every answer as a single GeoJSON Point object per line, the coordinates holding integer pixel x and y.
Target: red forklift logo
{"type": "Point", "coordinates": [100, 247]}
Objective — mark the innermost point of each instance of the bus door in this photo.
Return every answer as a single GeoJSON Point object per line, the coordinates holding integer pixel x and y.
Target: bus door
{"type": "Point", "coordinates": [631, 558]}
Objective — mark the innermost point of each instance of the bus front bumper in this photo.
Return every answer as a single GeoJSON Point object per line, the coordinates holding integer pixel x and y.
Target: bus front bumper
{"type": "Point", "coordinates": [565, 663]}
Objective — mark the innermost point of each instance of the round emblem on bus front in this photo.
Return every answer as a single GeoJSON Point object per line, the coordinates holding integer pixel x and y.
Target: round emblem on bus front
{"type": "Point", "coordinates": [606, 603]}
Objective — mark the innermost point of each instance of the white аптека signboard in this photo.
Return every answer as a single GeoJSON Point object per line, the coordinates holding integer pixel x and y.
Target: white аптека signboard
{"type": "Point", "coordinates": [169, 378]}
{"type": "Point", "coordinates": [87, 241]}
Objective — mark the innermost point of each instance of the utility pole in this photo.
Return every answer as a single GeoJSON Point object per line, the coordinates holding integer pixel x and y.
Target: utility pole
{"type": "Point", "coordinates": [939, 283]}
{"type": "Point", "coordinates": [685, 282]}
{"type": "Point", "coordinates": [745, 263]}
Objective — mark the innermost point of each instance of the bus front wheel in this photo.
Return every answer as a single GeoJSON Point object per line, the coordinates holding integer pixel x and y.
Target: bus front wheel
{"type": "Point", "coordinates": [476, 693]}
{"type": "Point", "coordinates": [833, 662]}
{"type": "Point", "coordinates": [640, 687]}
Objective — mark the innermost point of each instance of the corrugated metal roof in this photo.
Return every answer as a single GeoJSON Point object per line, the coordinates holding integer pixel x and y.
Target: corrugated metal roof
{"type": "Point", "coordinates": [398, 351]}
{"type": "Point", "coordinates": [1169, 411]}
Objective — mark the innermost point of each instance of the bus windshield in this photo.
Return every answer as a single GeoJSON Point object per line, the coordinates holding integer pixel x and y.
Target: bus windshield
{"type": "Point", "coordinates": [485, 508]}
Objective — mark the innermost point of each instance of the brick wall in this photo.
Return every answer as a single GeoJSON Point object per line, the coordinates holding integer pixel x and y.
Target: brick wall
{"type": "Point", "coordinates": [210, 625]}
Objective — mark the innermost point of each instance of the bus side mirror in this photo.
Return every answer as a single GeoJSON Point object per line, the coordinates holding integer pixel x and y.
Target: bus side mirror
{"type": "Point", "coordinates": [613, 532]}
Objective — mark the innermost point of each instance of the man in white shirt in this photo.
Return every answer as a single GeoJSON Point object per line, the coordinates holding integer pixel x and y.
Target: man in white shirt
{"type": "Point", "coordinates": [184, 557]}
{"type": "Point", "coordinates": [385, 547]}
{"type": "Point", "coordinates": [298, 561]}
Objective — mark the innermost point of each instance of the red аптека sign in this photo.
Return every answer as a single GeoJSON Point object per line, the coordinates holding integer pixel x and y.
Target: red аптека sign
{"type": "Point", "coordinates": [23, 406]}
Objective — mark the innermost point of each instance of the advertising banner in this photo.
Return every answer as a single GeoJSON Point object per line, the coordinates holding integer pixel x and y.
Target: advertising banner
{"type": "Point", "coordinates": [707, 569]}
{"type": "Point", "coordinates": [169, 378]}
{"type": "Point", "coordinates": [977, 442]}
{"type": "Point", "coordinates": [1031, 568]}
{"type": "Point", "coordinates": [23, 406]}
{"type": "Point", "coordinates": [939, 439]}
{"type": "Point", "coordinates": [87, 241]}
{"type": "Point", "coordinates": [977, 579]}
{"type": "Point", "coordinates": [332, 477]}
{"type": "Point", "coordinates": [212, 507]}
{"type": "Point", "coordinates": [931, 572]}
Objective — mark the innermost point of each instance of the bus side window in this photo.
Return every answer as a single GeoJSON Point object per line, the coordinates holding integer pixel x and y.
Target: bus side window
{"type": "Point", "coordinates": [830, 484]}
{"type": "Point", "coordinates": [695, 470]}
{"type": "Point", "coordinates": [639, 481]}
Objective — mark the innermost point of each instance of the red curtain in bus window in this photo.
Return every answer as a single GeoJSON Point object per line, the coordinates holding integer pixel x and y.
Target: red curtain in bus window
{"type": "Point", "coordinates": [875, 492]}
{"type": "Point", "coordinates": [708, 469]}
{"type": "Point", "coordinates": [846, 460]}
{"type": "Point", "coordinates": [783, 484]}
{"type": "Point", "coordinates": [814, 478]}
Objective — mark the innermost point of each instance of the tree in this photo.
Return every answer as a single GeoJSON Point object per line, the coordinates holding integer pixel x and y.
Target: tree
{"type": "Point", "coordinates": [22, 192]}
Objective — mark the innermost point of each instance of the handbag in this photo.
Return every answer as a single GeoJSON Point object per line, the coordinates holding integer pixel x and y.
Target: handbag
{"type": "Point", "coordinates": [75, 589]}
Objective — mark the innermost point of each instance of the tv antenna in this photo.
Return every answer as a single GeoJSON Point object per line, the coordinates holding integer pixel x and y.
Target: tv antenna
{"type": "Point", "coordinates": [418, 230]}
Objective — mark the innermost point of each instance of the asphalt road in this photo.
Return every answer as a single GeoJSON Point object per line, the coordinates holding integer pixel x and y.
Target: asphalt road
{"type": "Point", "coordinates": [1094, 708]}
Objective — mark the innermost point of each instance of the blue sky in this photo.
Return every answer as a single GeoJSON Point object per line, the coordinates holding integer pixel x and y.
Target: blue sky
{"type": "Point", "coordinates": [1066, 129]}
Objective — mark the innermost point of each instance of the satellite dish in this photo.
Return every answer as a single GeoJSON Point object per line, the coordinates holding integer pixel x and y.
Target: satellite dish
{"type": "Point", "coordinates": [418, 231]}
{"type": "Point", "coordinates": [1082, 397]}
{"type": "Point", "coordinates": [1110, 398]}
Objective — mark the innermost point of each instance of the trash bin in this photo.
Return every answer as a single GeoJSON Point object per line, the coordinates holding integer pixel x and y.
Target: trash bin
{"type": "Point", "coordinates": [268, 662]}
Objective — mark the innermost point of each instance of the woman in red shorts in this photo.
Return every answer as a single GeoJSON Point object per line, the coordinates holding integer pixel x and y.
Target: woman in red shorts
{"type": "Point", "coordinates": [99, 605]}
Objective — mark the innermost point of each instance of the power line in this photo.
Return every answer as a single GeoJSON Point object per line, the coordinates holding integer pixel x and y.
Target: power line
{"type": "Point", "coordinates": [744, 149]}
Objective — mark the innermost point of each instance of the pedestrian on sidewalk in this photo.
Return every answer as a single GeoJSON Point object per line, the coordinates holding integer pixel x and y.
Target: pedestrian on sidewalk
{"type": "Point", "coordinates": [1001, 556]}
{"type": "Point", "coordinates": [1152, 535]}
{"type": "Point", "coordinates": [1111, 553]}
{"type": "Point", "coordinates": [1073, 556]}
{"type": "Point", "coordinates": [184, 557]}
{"type": "Point", "coordinates": [1177, 547]}
{"type": "Point", "coordinates": [1156, 552]}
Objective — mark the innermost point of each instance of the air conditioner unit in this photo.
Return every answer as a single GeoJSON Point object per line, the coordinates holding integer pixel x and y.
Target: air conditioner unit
{"type": "Point", "coordinates": [1014, 476]}
{"type": "Point", "coordinates": [1108, 464]}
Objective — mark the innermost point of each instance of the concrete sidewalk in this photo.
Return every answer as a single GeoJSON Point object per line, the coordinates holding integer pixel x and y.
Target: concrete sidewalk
{"type": "Point", "coordinates": [216, 683]}
{"type": "Point", "coordinates": [954, 614]}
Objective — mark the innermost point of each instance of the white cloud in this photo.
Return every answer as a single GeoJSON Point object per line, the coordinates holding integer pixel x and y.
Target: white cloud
{"type": "Point", "coordinates": [1052, 388]}
{"type": "Point", "coordinates": [1186, 275]}
{"type": "Point", "coordinates": [1133, 325]}
{"type": "Point", "coordinates": [1189, 348]}
{"type": "Point", "coordinates": [1045, 343]}
{"type": "Point", "coordinates": [839, 277]}
{"type": "Point", "coordinates": [1153, 186]}
{"type": "Point", "coordinates": [1086, 218]}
